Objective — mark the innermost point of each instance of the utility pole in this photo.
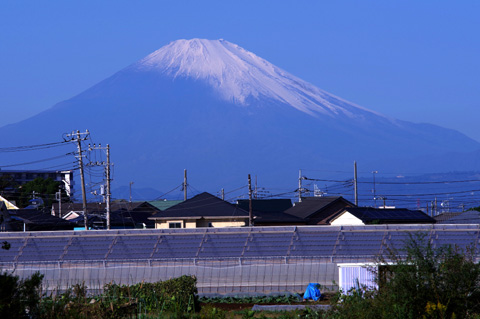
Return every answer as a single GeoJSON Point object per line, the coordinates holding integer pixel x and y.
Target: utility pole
{"type": "Point", "coordinates": [107, 177]}
{"type": "Point", "coordinates": [250, 211]}
{"type": "Point", "coordinates": [355, 182]}
{"type": "Point", "coordinates": [59, 198]}
{"type": "Point", "coordinates": [130, 199]}
{"type": "Point", "coordinates": [223, 194]}
{"type": "Point", "coordinates": [184, 184]}
{"type": "Point", "coordinates": [78, 138]}
{"type": "Point", "coordinates": [299, 185]}
{"type": "Point", "coordinates": [374, 191]}
{"type": "Point", "coordinates": [82, 180]}
{"type": "Point", "coordinates": [107, 173]}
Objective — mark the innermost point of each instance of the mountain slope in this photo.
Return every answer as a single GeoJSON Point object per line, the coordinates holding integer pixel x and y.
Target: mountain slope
{"type": "Point", "coordinates": [222, 112]}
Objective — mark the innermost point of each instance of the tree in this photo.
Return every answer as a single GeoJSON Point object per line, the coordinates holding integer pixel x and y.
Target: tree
{"type": "Point", "coordinates": [43, 188]}
{"type": "Point", "coordinates": [430, 282]}
{"type": "Point", "coordinates": [419, 281]}
{"type": "Point", "coordinates": [7, 182]}
{"type": "Point", "coordinates": [19, 297]}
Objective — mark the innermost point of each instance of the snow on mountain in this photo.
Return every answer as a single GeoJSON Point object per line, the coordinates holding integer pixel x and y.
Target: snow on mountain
{"type": "Point", "coordinates": [239, 75]}
{"type": "Point", "coordinates": [223, 112]}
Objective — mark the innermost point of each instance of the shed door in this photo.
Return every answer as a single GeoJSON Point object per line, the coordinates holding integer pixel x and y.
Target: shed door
{"type": "Point", "coordinates": [355, 276]}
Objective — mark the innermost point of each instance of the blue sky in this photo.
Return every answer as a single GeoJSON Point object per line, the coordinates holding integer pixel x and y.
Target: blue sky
{"type": "Point", "coordinates": [412, 60]}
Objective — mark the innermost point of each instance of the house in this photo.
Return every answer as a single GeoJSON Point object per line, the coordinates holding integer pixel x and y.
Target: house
{"type": "Point", "coordinates": [8, 204]}
{"type": "Point", "coordinates": [319, 210]}
{"type": "Point", "coordinates": [369, 215]}
{"type": "Point", "coordinates": [468, 217]}
{"type": "Point", "coordinates": [31, 220]}
{"type": "Point", "coordinates": [123, 214]}
{"type": "Point", "coordinates": [270, 212]}
{"type": "Point", "coordinates": [203, 210]}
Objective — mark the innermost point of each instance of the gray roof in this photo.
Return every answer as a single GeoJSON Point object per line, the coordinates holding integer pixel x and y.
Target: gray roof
{"type": "Point", "coordinates": [468, 217]}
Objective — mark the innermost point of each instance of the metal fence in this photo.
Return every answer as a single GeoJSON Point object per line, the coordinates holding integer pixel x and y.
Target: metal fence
{"type": "Point", "coordinates": [226, 276]}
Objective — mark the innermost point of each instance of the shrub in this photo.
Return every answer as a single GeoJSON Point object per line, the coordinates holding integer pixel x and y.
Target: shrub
{"type": "Point", "coordinates": [417, 282]}
{"type": "Point", "coordinates": [19, 297]}
{"type": "Point", "coordinates": [173, 295]}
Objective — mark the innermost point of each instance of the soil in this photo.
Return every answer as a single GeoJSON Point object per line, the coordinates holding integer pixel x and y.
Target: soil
{"type": "Point", "coordinates": [242, 306]}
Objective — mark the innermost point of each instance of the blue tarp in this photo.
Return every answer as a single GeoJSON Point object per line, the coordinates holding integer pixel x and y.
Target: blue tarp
{"type": "Point", "coordinates": [312, 292]}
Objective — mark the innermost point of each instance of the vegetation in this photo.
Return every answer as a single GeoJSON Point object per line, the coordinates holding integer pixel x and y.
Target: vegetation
{"type": "Point", "coordinates": [424, 283]}
{"type": "Point", "coordinates": [419, 282]}
{"type": "Point", "coordinates": [22, 194]}
{"type": "Point", "coordinates": [175, 298]}
{"type": "Point", "coordinates": [281, 299]}
{"type": "Point", "coordinates": [19, 297]}
{"type": "Point", "coordinates": [7, 182]}
{"type": "Point", "coordinates": [44, 188]}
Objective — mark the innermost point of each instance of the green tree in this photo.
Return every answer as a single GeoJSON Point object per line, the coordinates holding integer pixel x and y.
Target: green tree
{"type": "Point", "coordinates": [431, 282]}
{"type": "Point", "coordinates": [19, 297]}
{"type": "Point", "coordinates": [43, 188]}
{"type": "Point", "coordinates": [7, 182]}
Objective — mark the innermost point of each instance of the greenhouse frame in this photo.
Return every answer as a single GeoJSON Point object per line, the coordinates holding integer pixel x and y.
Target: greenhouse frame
{"type": "Point", "coordinates": [225, 261]}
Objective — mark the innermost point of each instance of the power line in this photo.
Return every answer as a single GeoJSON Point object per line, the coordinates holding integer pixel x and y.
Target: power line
{"type": "Point", "coordinates": [34, 162]}
{"type": "Point", "coordinates": [32, 147]}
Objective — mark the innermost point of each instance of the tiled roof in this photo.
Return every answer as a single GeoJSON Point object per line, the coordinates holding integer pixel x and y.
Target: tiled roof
{"type": "Point", "coordinates": [266, 205]}
{"type": "Point", "coordinates": [397, 215]}
{"type": "Point", "coordinates": [468, 217]}
{"type": "Point", "coordinates": [202, 205]}
{"type": "Point", "coordinates": [311, 205]}
{"type": "Point", "coordinates": [39, 220]}
{"type": "Point", "coordinates": [164, 204]}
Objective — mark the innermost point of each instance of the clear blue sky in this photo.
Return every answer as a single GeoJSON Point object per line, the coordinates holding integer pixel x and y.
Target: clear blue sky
{"type": "Point", "coordinates": [413, 60]}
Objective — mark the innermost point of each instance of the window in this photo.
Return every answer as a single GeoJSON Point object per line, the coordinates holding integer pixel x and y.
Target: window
{"type": "Point", "coordinates": [174, 225]}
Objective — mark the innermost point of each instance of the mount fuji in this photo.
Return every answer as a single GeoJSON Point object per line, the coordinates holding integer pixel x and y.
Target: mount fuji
{"type": "Point", "coordinates": [222, 112]}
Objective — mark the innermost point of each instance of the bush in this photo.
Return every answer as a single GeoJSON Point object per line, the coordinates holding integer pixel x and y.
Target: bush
{"type": "Point", "coordinates": [20, 297]}
{"type": "Point", "coordinates": [171, 298]}
{"type": "Point", "coordinates": [173, 295]}
{"type": "Point", "coordinates": [421, 282]}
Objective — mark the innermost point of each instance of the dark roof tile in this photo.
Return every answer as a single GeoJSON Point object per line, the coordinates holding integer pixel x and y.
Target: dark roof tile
{"type": "Point", "coordinates": [202, 205]}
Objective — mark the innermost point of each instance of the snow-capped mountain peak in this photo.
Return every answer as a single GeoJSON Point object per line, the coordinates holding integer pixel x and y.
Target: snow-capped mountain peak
{"type": "Point", "coordinates": [238, 75]}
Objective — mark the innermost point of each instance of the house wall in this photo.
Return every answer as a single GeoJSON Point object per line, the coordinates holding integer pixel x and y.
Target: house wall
{"type": "Point", "coordinates": [201, 223]}
{"type": "Point", "coordinates": [221, 223]}
{"type": "Point", "coordinates": [333, 209]}
{"type": "Point", "coordinates": [165, 223]}
{"type": "Point", "coordinates": [346, 219]}
{"type": "Point", "coordinates": [191, 224]}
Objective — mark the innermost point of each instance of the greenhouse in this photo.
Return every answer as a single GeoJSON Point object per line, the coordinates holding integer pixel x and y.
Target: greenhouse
{"type": "Point", "coordinates": [226, 261]}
